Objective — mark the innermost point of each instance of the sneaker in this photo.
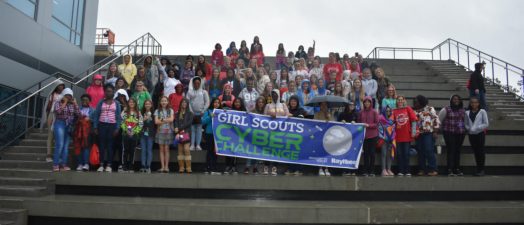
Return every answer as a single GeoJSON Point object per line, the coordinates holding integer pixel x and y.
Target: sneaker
{"type": "Point", "coordinates": [198, 148]}
{"type": "Point", "coordinates": [420, 173]}
{"type": "Point", "coordinates": [288, 173]}
{"type": "Point", "coordinates": [226, 171]}
{"type": "Point", "coordinates": [246, 170]}
{"type": "Point", "coordinates": [451, 174]}
{"type": "Point", "coordinates": [298, 173]}
{"type": "Point", "coordinates": [384, 173]}
{"type": "Point", "coordinates": [391, 173]}
{"type": "Point", "coordinates": [400, 174]}
{"type": "Point", "coordinates": [148, 171]}
{"type": "Point", "coordinates": [108, 169]}
{"type": "Point", "coordinates": [233, 170]}
{"type": "Point", "coordinates": [48, 158]}
{"type": "Point", "coordinates": [85, 167]}
{"type": "Point", "coordinates": [79, 168]}
{"type": "Point", "coordinates": [321, 172]}
{"type": "Point", "coordinates": [192, 148]}
{"type": "Point", "coordinates": [274, 171]}
{"type": "Point", "coordinates": [56, 168]}
{"type": "Point", "coordinates": [120, 169]}
{"type": "Point", "coordinates": [215, 173]}
{"type": "Point", "coordinates": [100, 169]}
{"type": "Point", "coordinates": [326, 171]}
{"type": "Point", "coordinates": [459, 173]}
{"type": "Point", "coordinates": [433, 173]}
{"type": "Point", "coordinates": [266, 171]}
{"type": "Point", "coordinates": [365, 175]}
{"type": "Point", "coordinates": [66, 168]}
{"type": "Point", "coordinates": [255, 170]}
{"type": "Point", "coordinates": [371, 174]}
{"type": "Point", "coordinates": [407, 174]}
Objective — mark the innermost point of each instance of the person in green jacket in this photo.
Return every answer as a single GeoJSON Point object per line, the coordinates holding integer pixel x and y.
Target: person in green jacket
{"type": "Point", "coordinates": [141, 95]}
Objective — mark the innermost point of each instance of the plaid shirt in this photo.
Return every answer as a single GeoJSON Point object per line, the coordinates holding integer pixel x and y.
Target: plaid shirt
{"type": "Point", "coordinates": [454, 121]}
{"type": "Point", "coordinates": [427, 120]}
{"type": "Point", "coordinates": [66, 113]}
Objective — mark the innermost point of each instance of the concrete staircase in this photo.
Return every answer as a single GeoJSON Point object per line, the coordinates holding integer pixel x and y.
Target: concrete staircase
{"type": "Point", "coordinates": [103, 198]}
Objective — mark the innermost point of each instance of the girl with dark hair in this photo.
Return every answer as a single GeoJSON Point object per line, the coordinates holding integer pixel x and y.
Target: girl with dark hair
{"type": "Point", "coordinates": [232, 46]}
{"type": "Point", "coordinates": [49, 116]}
{"type": "Point", "coordinates": [244, 51]}
{"type": "Point", "coordinates": [452, 119]}
{"type": "Point", "coordinates": [112, 74]}
{"type": "Point", "coordinates": [211, 157]}
{"type": "Point", "coordinates": [256, 42]}
{"type": "Point", "coordinates": [213, 86]}
{"type": "Point", "coordinates": [198, 103]}
{"type": "Point", "coordinates": [151, 71]}
{"type": "Point", "coordinates": [280, 57]}
{"type": "Point", "coordinates": [260, 106]}
{"type": "Point", "coordinates": [147, 136]}
{"type": "Point", "coordinates": [477, 122]}
{"type": "Point", "coordinates": [301, 53]}
{"type": "Point", "coordinates": [164, 117]}
{"type": "Point", "coordinates": [296, 111]}
{"type": "Point", "coordinates": [217, 56]}
{"type": "Point", "coordinates": [476, 85]}
{"type": "Point", "coordinates": [231, 162]}
{"type": "Point", "coordinates": [187, 74]}
{"type": "Point", "coordinates": [106, 123]}
{"type": "Point", "coordinates": [131, 126]}
{"type": "Point", "coordinates": [428, 126]}
{"type": "Point", "coordinates": [206, 67]}
{"type": "Point", "coordinates": [183, 121]}
{"type": "Point", "coordinates": [83, 134]}
{"type": "Point", "coordinates": [227, 98]}
{"type": "Point", "coordinates": [231, 80]}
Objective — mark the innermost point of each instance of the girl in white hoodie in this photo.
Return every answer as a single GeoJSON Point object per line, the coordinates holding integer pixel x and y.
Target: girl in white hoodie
{"type": "Point", "coordinates": [476, 122]}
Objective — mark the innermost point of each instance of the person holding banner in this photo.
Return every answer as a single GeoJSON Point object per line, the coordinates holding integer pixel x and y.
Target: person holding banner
{"type": "Point", "coordinates": [274, 109]}
{"type": "Point", "coordinates": [325, 115]}
{"type": "Point", "coordinates": [231, 162]}
{"type": "Point", "coordinates": [260, 106]}
{"type": "Point", "coordinates": [295, 111]}
{"type": "Point", "coordinates": [369, 117]}
{"type": "Point", "coordinates": [211, 157]}
{"type": "Point", "coordinates": [349, 115]}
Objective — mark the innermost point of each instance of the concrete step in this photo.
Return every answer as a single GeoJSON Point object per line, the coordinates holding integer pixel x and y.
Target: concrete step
{"type": "Point", "coordinates": [18, 164]}
{"type": "Point", "coordinates": [37, 136]}
{"type": "Point", "coordinates": [24, 156]}
{"type": "Point", "coordinates": [273, 211]}
{"type": "Point", "coordinates": [433, 94]}
{"type": "Point", "coordinates": [22, 181]}
{"type": "Point", "coordinates": [15, 216]}
{"type": "Point", "coordinates": [29, 191]}
{"type": "Point", "coordinates": [27, 149]}
{"type": "Point", "coordinates": [418, 79]}
{"type": "Point", "coordinates": [7, 222]}
{"type": "Point", "coordinates": [33, 142]}
{"type": "Point", "coordinates": [427, 86]}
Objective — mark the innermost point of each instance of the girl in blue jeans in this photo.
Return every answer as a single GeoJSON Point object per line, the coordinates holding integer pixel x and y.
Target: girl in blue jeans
{"type": "Point", "coordinates": [147, 137]}
{"type": "Point", "coordinates": [66, 109]}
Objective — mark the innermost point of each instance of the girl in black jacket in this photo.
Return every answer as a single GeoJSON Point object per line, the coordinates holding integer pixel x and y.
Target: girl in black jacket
{"type": "Point", "coordinates": [182, 124]}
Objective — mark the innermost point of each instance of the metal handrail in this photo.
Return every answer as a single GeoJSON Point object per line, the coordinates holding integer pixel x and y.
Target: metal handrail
{"type": "Point", "coordinates": [479, 56]}
{"type": "Point", "coordinates": [152, 46]}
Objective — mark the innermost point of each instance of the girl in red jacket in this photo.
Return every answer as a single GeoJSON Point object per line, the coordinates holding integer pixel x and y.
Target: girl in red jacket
{"type": "Point", "coordinates": [406, 126]}
{"type": "Point", "coordinates": [369, 117]}
{"type": "Point", "coordinates": [217, 57]}
{"type": "Point", "coordinates": [96, 91]}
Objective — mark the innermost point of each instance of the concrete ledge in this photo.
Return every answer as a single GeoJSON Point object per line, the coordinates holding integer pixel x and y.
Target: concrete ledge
{"type": "Point", "coordinates": [267, 211]}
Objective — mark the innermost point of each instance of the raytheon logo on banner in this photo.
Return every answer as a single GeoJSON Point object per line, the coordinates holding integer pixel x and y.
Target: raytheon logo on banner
{"type": "Point", "coordinates": [289, 140]}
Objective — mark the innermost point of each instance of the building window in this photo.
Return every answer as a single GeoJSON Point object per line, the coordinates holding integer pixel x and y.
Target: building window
{"type": "Point", "coordinates": [67, 19]}
{"type": "Point", "coordinates": [27, 7]}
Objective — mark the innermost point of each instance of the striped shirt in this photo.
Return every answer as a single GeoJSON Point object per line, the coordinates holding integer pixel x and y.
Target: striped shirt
{"type": "Point", "coordinates": [66, 113]}
{"type": "Point", "coordinates": [108, 113]}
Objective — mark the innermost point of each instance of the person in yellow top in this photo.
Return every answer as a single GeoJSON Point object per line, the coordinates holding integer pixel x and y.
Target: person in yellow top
{"type": "Point", "coordinates": [127, 69]}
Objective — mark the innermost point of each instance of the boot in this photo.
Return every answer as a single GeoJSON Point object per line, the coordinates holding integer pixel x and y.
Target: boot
{"type": "Point", "coordinates": [188, 164]}
{"type": "Point", "coordinates": [180, 163]}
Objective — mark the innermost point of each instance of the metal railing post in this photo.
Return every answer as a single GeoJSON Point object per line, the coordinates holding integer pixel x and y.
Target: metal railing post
{"type": "Point", "coordinates": [449, 49]}
{"type": "Point", "coordinates": [467, 50]}
{"type": "Point", "coordinates": [411, 53]}
{"type": "Point", "coordinates": [458, 54]}
{"type": "Point", "coordinates": [440, 53]}
{"type": "Point", "coordinates": [492, 71]}
{"type": "Point", "coordinates": [479, 56]}
{"type": "Point", "coordinates": [507, 78]}
{"type": "Point", "coordinates": [394, 57]}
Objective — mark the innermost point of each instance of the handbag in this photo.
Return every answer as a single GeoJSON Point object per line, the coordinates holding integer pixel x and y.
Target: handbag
{"type": "Point", "coordinates": [183, 137]}
{"type": "Point", "coordinates": [94, 156]}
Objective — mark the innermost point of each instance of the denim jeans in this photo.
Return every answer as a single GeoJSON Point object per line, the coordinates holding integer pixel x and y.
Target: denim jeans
{"type": "Point", "coordinates": [211, 157]}
{"type": "Point", "coordinates": [83, 157]}
{"type": "Point", "coordinates": [146, 143]}
{"type": "Point", "coordinates": [61, 133]}
{"type": "Point", "coordinates": [425, 152]}
{"type": "Point", "coordinates": [403, 157]}
{"type": "Point", "coordinates": [196, 134]}
{"type": "Point", "coordinates": [105, 138]}
{"type": "Point", "coordinates": [386, 155]}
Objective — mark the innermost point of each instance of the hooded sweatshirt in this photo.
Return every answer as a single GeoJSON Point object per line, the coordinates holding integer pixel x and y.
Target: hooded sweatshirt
{"type": "Point", "coordinates": [68, 112]}
{"type": "Point", "coordinates": [152, 72]}
{"type": "Point", "coordinates": [370, 86]}
{"type": "Point", "coordinates": [298, 111]}
{"type": "Point", "coordinates": [249, 97]}
{"type": "Point", "coordinates": [371, 117]}
{"type": "Point", "coordinates": [198, 98]}
{"type": "Point", "coordinates": [176, 98]}
{"type": "Point", "coordinates": [128, 71]}
{"type": "Point", "coordinates": [304, 98]}
{"type": "Point", "coordinates": [276, 108]}
{"type": "Point", "coordinates": [96, 92]}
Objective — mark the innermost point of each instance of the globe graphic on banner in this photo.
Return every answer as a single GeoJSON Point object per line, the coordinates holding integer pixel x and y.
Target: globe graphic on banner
{"type": "Point", "coordinates": [337, 140]}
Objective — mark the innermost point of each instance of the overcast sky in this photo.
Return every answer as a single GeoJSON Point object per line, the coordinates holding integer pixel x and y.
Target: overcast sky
{"type": "Point", "coordinates": [193, 27]}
